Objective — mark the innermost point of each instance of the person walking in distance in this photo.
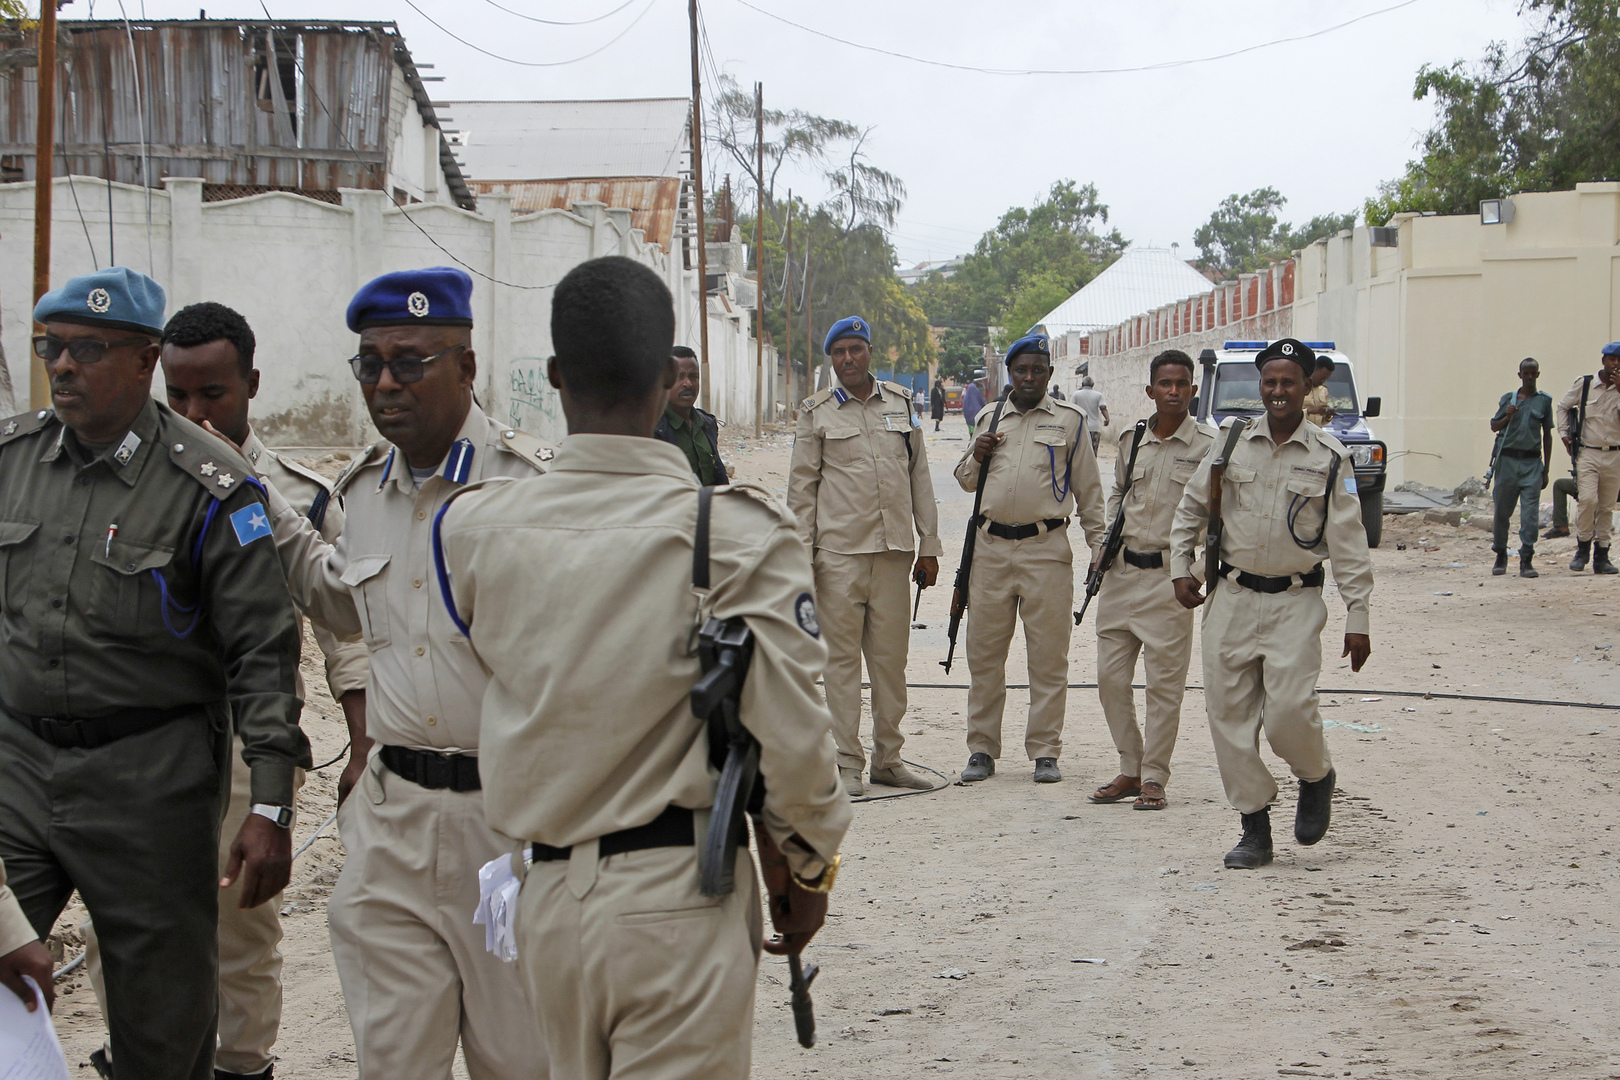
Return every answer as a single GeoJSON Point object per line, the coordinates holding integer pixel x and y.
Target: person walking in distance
{"type": "Point", "coordinates": [1095, 407]}
{"type": "Point", "coordinates": [972, 403]}
{"type": "Point", "coordinates": [1288, 502]}
{"type": "Point", "coordinates": [860, 489]}
{"type": "Point", "coordinates": [936, 403]}
{"type": "Point", "coordinates": [1524, 427]}
{"type": "Point", "coordinates": [1137, 610]}
{"type": "Point", "coordinates": [1589, 421]}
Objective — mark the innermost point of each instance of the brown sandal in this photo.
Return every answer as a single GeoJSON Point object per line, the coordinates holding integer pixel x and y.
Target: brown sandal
{"type": "Point", "coordinates": [1120, 787]}
{"type": "Point", "coordinates": [1151, 798]}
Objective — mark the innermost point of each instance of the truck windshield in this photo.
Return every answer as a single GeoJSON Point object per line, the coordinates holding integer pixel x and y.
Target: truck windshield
{"type": "Point", "coordinates": [1237, 390]}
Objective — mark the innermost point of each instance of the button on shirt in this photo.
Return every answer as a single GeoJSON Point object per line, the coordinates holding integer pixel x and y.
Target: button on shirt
{"type": "Point", "coordinates": [1523, 432]}
{"type": "Point", "coordinates": [377, 580]}
{"type": "Point", "coordinates": [1163, 467]}
{"type": "Point", "coordinates": [1262, 482]}
{"type": "Point", "coordinates": [1602, 413]}
{"type": "Point", "coordinates": [1041, 470]}
{"type": "Point", "coordinates": [853, 485]}
{"type": "Point", "coordinates": [608, 700]}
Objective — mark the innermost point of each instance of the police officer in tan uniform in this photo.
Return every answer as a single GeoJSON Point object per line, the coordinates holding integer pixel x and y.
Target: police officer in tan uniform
{"type": "Point", "coordinates": [1137, 611]}
{"type": "Point", "coordinates": [413, 966]}
{"type": "Point", "coordinates": [859, 486]}
{"type": "Point", "coordinates": [632, 972]}
{"type": "Point", "coordinates": [1597, 458]}
{"type": "Point", "coordinates": [1288, 503]}
{"type": "Point", "coordinates": [1041, 469]}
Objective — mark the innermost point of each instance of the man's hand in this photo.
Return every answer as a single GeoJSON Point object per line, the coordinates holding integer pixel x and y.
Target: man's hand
{"type": "Point", "coordinates": [1508, 411]}
{"type": "Point", "coordinates": [354, 770]}
{"type": "Point", "coordinates": [214, 431]}
{"type": "Point", "coordinates": [354, 715]}
{"type": "Point", "coordinates": [986, 444]}
{"type": "Point", "coordinates": [33, 960]}
{"type": "Point", "coordinates": [1569, 447]}
{"type": "Point", "coordinates": [1187, 594]}
{"type": "Point", "coordinates": [1357, 647]}
{"type": "Point", "coordinates": [261, 855]}
{"type": "Point", "coordinates": [928, 567]}
{"type": "Point", "coordinates": [1544, 478]}
{"type": "Point", "coordinates": [796, 913]}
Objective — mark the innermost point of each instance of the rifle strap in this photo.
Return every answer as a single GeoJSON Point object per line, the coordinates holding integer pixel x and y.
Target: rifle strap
{"type": "Point", "coordinates": [700, 542]}
{"type": "Point", "coordinates": [1232, 434]}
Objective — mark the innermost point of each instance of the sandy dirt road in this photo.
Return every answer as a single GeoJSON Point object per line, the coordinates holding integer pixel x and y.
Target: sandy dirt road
{"type": "Point", "coordinates": [1458, 920]}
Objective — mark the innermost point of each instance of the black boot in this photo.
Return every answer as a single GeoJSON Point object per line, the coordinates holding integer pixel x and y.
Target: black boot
{"type": "Point", "coordinates": [1501, 564]}
{"type": "Point", "coordinates": [1315, 809]}
{"type": "Point", "coordinates": [1254, 850]}
{"type": "Point", "coordinates": [1525, 568]}
{"type": "Point", "coordinates": [1600, 560]}
{"type": "Point", "coordinates": [1583, 551]}
{"type": "Point", "coordinates": [979, 767]}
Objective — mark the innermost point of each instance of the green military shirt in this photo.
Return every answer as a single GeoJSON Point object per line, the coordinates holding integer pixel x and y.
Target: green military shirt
{"type": "Point", "coordinates": [141, 577]}
{"type": "Point", "coordinates": [1524, 431]}
{"type": "Point", "coordinates": [693, 442]}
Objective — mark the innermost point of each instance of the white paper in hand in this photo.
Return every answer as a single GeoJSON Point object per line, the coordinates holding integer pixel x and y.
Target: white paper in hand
{"type": "Point", "coordinates": [498, 890]}
{"type": "Point", "coordinates": [28, 1046]}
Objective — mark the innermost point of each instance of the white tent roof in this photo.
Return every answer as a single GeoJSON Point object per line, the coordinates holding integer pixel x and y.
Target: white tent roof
{"type": "Point", "coordinates": [543, 140]}
{"type": "Point", "coordinates": [1140, 280]}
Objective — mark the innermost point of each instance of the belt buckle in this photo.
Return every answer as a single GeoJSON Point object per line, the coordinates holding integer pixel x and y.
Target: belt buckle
{"type": "Point", "coordinates": [439, 770]}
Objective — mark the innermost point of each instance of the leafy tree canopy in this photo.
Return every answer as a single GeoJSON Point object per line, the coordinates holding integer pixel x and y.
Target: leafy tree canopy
{"type": "Point", "coordinates": [1243, 234]}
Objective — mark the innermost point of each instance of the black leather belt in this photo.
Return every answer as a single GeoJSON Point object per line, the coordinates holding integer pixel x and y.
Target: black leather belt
{"type": "Point", "coordinates": [1151, 560]}
{"type": "Point", "coordinates": [1022, 532]}
{"type": "Point", "coordinates": [69, 733]}
{"type": "Point", "coordinates": [458, 772]}
{"type": "Point", "coordinates": [1256, 583]}
{"type": "Point", "coordinates": [1584, 446]}
{"type": "Point", "coordinates": [672, 828]}
{"type": "Point", "coordinates": [1508, 451]}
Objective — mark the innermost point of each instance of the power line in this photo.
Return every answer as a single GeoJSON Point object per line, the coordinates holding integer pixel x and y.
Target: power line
{"type": "Point", "coordinates": [561, 22]}
{"type": "Point", "coordinates": [1161, 66]}
{"type": "Point", "coordinates": [546, 63]}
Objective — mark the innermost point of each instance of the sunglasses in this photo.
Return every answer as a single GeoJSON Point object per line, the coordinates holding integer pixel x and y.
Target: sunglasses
{"type": "Point", "coordinates": [404, 369]}
{"type": "Point", "coordinates": [84, 350]}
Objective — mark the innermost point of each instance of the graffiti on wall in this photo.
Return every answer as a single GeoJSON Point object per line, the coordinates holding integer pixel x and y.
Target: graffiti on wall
{"type": "Point", "coordinates": [532, 403]}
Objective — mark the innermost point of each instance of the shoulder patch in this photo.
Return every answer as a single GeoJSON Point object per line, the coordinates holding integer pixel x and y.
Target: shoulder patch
{"type": "Point", "coordinates": [804, 611]}
{"type": "Point", "coordinates": [537, 452]}
{"type": "Point", "coordinates": [15, 427]}
{"type": "Point", "coordinates": [820, 397]}
{"type": "Point", "coordinates": [903, 391]}
{"type": "Point", "coordinates": [372, 455]}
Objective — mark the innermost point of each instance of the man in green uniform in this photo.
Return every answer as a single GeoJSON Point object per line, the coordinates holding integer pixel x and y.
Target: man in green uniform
{"type": "Point", "coordinates": [1522, 464]}
{"type": "Point", "coordinates": [143, 610]}
{"type": "Point", "coordinates": [694, 432]}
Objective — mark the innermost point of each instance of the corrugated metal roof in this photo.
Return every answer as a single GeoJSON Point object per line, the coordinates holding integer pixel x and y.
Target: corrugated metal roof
{"type": "Point", "coordinates": [560, 140]}
{"type": "Point", "coordinates": [652, 200]}
{"type": "Point", "coordinates": [1140, 280]}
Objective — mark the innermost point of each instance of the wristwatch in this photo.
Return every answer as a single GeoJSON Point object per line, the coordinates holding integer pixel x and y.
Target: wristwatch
{"type": "Point", "coordinates": [823, 883]}
{"type": "Point", "coordinates": [281, 815]}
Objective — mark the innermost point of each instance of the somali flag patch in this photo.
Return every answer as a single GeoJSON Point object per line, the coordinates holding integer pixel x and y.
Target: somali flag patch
{"type": "Point", "coordinates": [250, 523]}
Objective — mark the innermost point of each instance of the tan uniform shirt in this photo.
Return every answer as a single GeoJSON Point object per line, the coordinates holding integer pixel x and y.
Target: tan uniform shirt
{"type": "Point", "coordinates": [854, 486]}
{"type": "Point", "coordinates": [15, 929]}
{"type": "Point", "coordinates": [1043, 469]}
{"type": "Point", "coordinates": [601, 712]}
{"type": "Point", "coordinates": [1163, 467]}
{"type": "Point", "coordinates": [1602, 413]}
{"type": "Point", "coordinates": [346, 660]}
{"type": "Point", "coordinates": [1263, 481]}
{"type": "Point", "coordinates": [426, 685]}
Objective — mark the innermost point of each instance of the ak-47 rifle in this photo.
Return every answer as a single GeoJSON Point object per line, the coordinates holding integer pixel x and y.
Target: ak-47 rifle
{"type": "Point", "coordinates": [1576, 427]}
{"type": "Point", "coordinates": [959, 590]}
{"type": "Point", "coordinates": [1116, 531]}
{"type": "Point", "coordinates": [1212, 538]}
{"type": "Point", "coordinates": [921, 578]}
{"type": "Point", "coordinates": [804, 1011]}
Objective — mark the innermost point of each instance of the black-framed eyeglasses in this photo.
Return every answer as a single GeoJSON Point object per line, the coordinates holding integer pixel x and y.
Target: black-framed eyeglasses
{"type": "Point", "coordinates": [84, 350]}
{"type": "Point", "coordinates": [404, 369]}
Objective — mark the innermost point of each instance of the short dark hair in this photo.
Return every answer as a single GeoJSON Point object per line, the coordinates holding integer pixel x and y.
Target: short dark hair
{"type": "Point", "coordinates": [198, 324]}
{"type": "Point", "coordinates": [1323, 363]}
{"type": "Point", "coordinates": [683, 353]}
{"type": "Point", "coordinates": [1170, 356]}
{"type": "Point", "coordinates": [613, 328]}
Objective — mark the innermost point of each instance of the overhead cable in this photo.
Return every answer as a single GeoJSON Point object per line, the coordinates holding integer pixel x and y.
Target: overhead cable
{"type": "Point", "coordinates": [561, 22]}
{"type": "Point", "coordinates": [541, 63]}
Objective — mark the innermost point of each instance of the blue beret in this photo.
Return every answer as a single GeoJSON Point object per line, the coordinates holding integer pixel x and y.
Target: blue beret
{"type": "Point", "coordinates": [1612, 349]}
{"type": "Point", "coordinates": [1035, 343]}
{"type": "Point", "coordinates": [437, 296]}
{"type": "Point", "coordinates": [854, 326]}
{"type": "Point", "coordinates": [1288, 349]}
{"type": "Point", "coordinates": [117, 297]}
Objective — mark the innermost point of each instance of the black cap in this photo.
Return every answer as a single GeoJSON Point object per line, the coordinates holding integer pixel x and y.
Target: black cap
{"type": "Point", "coordinates": [1288, 349]}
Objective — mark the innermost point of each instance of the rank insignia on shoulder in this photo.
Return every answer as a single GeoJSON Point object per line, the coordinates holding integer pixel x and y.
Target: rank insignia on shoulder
{"type": "Point", "coordinates": [804, 609]}
{"type": "Point", "coordinates": [250, 523]}
{"type": "Point", "coordinates": [10, 428]}
{"type": "Point", "coordinates": [208, 468]}
{"type": "Point", "coordinates": [225, 480]}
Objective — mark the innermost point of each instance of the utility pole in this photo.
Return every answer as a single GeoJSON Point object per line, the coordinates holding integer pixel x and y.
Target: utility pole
{"type": "Point", "coordinates": [697, 182]}
{"type": "Point", "coordinates": [809, 313]}
{"type": "Point", "coordinates": [787, 304]}
{"type": "Point", "coordinates": [39, 390]}
{"type": "Point", "coordinates": [759, 261]}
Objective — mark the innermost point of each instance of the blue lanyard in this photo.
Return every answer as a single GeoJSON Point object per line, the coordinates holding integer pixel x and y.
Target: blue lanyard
{"type": "Point", "coordinates": [1068, 462]}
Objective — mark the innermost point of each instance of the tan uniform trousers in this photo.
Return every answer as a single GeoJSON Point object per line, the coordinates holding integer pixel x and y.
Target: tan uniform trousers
{"type": "Point", "coordinates": [249, 951]}
{"type": "Point", "coordinates": [864, 610]}
{"type": "Point", "coordinates": [413, 966]}
{"type": "Point", "coordinates": [1138, 615]}
{"type": "Point", "coordinates": [1032, 578]}
{"type": "Point", "coordinates": [1597, 479]}
{"type": "Point", "coordinates": [1262, 657]}
{"type": "Point", "coordinates": [633, 973]}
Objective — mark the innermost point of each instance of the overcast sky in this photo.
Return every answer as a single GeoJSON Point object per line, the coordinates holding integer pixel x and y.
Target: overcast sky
{"type": "Point", "coordinates": [1323, 120]}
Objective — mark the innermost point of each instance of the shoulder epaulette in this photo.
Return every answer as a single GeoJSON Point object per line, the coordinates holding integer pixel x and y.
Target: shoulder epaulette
{"type": "Point", "coordinates": [1331, 441]}
{"type": "Point", "coordinates": [1207, 428]}
{"type": "Point", "coordinates": [903, 391]}
{"type": "Point", "coordinates": [532, 450]}
{"type": "Point", "coordinates": [302, 470]}
{"type": "Point", "coordinates": [1071, 406]}
{"type": "Point", "coordinates": [206, 459]}
{"type": "Point", "coordinates": [820, 397]}
{"type": "Point", "coordinates": [15, 427]}
{"type": "Point", "coordinates": [1229, 421]}
{"type": "Point", "coordinates": [760, 495]}
{"type": "Point", "coordinates": [373, 454]}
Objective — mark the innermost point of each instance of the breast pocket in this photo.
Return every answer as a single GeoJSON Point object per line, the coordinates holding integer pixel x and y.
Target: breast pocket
{"type": "Point", "coordinates": [1050, 453]}
{"type": "Point", "coordinates": [1240, 479]}
{"type": "Point", "coordinates": [367, 580]}
{"type": "Point", "coordinates": [1305, 506]}
{"type": "Point", "coordinates": [123, 598]}
{"type": "Point", "coordinates": [841, 447]}
{"type": "Point", "coordinates": [16, 557]}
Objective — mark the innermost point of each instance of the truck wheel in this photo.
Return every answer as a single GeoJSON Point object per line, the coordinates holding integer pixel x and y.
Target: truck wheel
{"type": "Point", "coordinates": [1372, 517]}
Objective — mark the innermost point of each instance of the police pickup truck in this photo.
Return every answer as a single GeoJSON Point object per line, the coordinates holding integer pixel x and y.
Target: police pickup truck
{"type": "Point", "coordinates": [1231, 387]}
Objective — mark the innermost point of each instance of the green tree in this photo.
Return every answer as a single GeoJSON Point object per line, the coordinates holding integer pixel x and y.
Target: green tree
{"type": "Point", "coordinates": [958, 356]}
{"type": "Point", "coordinates": [1243, 234]}
{"type": "Point", "coordinates": [13, 9]}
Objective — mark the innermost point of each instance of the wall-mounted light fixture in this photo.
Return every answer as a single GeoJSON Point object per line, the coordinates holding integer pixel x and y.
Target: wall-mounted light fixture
{"type": "Point", "coordinates": [1495, 211]}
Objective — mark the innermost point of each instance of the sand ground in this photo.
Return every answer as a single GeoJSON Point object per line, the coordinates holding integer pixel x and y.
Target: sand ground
{"type": "Point", "coordinates": [1458, 920]}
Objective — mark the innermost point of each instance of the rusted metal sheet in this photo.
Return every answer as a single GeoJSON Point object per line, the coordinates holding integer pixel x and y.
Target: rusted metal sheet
{"type": "Point", "coordinates": [652, 200]}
